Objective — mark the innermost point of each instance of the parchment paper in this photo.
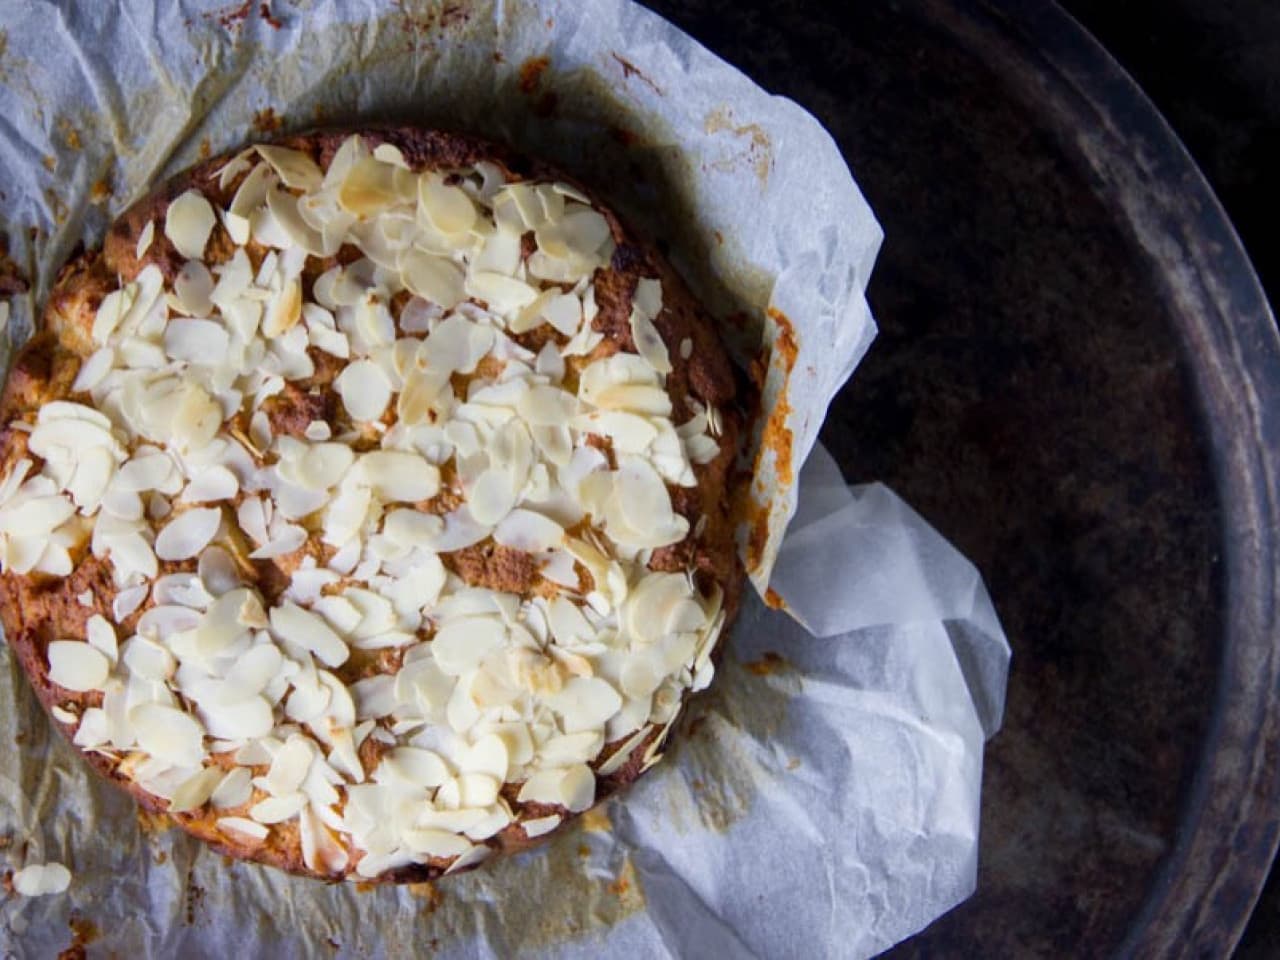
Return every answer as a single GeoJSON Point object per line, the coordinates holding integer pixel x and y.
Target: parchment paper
{"type": "Point", "coordinates": [823, 800]}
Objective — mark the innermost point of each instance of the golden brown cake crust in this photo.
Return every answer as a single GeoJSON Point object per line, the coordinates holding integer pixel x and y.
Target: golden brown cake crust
{"type": "Point", "coordinates": [36, 609]}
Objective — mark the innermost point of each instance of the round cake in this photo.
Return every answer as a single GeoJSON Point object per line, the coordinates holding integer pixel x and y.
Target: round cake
{"type": "Point", "coordinates": [365, 502]}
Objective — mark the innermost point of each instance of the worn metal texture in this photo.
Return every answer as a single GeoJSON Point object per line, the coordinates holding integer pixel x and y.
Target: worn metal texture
{"type": "Point", "coordinates": [1078, 381]}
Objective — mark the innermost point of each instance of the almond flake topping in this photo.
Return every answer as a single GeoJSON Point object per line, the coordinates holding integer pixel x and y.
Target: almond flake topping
{"type": "Point", "coordinates": [395, 432]}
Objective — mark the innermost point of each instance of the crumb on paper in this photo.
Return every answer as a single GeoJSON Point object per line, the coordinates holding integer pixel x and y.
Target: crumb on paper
{"type": "Point", "coordinates": [264, 11]}
{"type": "Point", "coordinates": [150, 823]}
{"type": "Point", "coordinates": [39, 879]}
{"type": "Point", "coordinates": [428, 892]}
{"type": "Point", "coordinates": [768, 664]}
{"type": "Point", "coordinates": [12, 278]}
{"type": "Point", "coordinates": [83, 932]}
{"type": "Point", "coordinates": [233, 17]}
{"type": "Point", "coordinates": [57, 205]}
{"type": "Point", "coordinates": [774, 599]}
{"type": "Point", "coordinates": [531, 72]}
{"type": "Point", "coordinates": [69, 133]}
{"type": "Point", "coordinates": [596, 820]}
{"type": "Point", "coordinates": [100, 192]}
{"type": "Point", "coordinates": [758, 533]}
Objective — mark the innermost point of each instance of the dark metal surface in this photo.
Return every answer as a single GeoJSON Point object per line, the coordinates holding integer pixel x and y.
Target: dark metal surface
{"type": "Point", "coordinates": [1077, 381]}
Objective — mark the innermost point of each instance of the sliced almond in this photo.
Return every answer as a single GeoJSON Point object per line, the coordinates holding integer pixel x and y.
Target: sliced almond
{"type": "Point", "coordinates": [461, 644]}
{"type": "Point", "coordinates": [41, 879]}
{"type": "Point", "coordinates": [398, 476]}
{"type": "Point", "coordinates": [538, 826]}
{"type": "Point", "coordinates": [242, 827]}
{"type": "Point", "coordinates": [188, 533]}
{"type": "Point", "coordinates": [168, 734]}
{"type": "Point", "coordinates": [75, 665]}
{"type": "Point", "coordinates": [310, 632]}
{"type": "Point", "coordinates": [188, 223]}
{"type": "Point", "coordinates": [585, 703]}
{"type": "Point", "coordinates": [294, 168]}
{"type": "Point", "coordinates": [365, 390]}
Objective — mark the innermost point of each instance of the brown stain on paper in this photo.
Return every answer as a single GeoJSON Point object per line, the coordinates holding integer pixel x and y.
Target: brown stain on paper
{"type": "Point", "coordinates": [429, 893]}
{"type": "Point", "coordinates": [630, 70]}
{"type": "Point", "coordinates": [531, 72]}
{"type": "Point", "coordinates": [768, 664]}
{"type": "Point", "coordinates": [267, 120]}
{"type": "Point", "coordinates": [776, 438]}
{"type": "Point", "coordinates": [759, 149]}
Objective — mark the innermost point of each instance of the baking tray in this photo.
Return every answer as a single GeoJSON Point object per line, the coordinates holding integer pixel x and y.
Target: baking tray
{"type": "Point", "coordinates": [1078, 381]}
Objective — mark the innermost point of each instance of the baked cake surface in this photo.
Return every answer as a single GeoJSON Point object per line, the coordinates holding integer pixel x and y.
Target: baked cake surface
{"type": "Point", "coordinates": [365, 502]}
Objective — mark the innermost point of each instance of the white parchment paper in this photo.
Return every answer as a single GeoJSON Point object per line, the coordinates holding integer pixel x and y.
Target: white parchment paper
{"type": "Point", "coordinates": [823, 800]}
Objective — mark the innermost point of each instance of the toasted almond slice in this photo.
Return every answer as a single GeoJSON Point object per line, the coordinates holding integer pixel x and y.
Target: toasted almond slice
{"type": "Point", "coordinates": [503, 294]}
{"type": "Point", "coordinates": [212, 483]}
{"type": "Point", "coordinates": [243, 827]}
{"type": "Point", "coordinates": [310, 632]}
{"type": "Point", "coordinates": [289, 767]}
{"type": "Point", "coordinates": [94, 370]}
{"type": "Point", "coordinates": [571, 787]}
{"type": "Point", "coordinates": [620, 756]}
{"type": "Point", "coordinates": [461, 644]}
{"type": "Point", "coordinates": [398, 476]}
{"type": "Point", "coordinates": [539, 826]}
{"type": "Point", "coordinates": [193, 287]}
{"type": "Point", "coordinates": [188, 223]}
{"type": "Point", "coordinates": [189, 533]}
{"type": "Point", "coordinates": [285, 311]}
{"type": "Point", "coordinates": [75, 665]}
{"type": "Point", "coordinates": [564, 312]}
{"type": "Point", "coordinates": [528, 531]}
{"type": "Point", "coordinates": [320, 851]}
{"type": "Point", "coordinates": [365, 390]}
{"type": "Point", "coordinates": [234, 789]}
{"type": "Point", "coordinates": [145, 237]}
{"type": "Point", "coordinates": [168, 734]}
{"type": "Point", "coordinates": [285, 211]}
{"type": "Point", "coordinates": [649, 342]}
{"type": "Point", "coordinates": [571, 748]}
{"type": "Point", "coordinates": [415, 766]}
{"type": "Point", "coordinates": [432, 278]}
{"type": "Point", "coordinates": [202, 342]}
{"type": "Point", "coordinates": [101, 635]}
{"type": "Point", "coordinates": [448, 208]}
{"type": "Point", "coordinates": [489, 756]}
{"type": "Point", "coordinates": [585, 703]}
{"type": "Point", "coordinates": [431, 842]}
{"type": "Point", "coordinates": [278, 809]}
{"type": "Point", "coordinates": [113, 309]}
{"type": "Point", "coordinates": [368, 187]}
{"type": "Point", "coordinates": [194, 792]}
{"type": "Point", "coordinates": [294, 168]}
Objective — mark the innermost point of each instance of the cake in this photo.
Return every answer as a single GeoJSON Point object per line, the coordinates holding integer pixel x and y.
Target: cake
{"type": "Point", "coordinates": [366, 502]}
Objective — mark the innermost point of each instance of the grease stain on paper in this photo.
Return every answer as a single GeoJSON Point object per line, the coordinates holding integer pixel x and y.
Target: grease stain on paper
{"type": "Point", "coordinates": [757, 152]}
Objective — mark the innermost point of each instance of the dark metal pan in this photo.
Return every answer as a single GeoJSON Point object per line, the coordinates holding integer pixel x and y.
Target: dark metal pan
{"type": "Point", "coordinates": [1078, 381]}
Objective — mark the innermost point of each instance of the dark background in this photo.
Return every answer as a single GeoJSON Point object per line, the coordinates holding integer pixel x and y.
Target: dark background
{"type": "Point", "coordinates": [1213, 70]}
